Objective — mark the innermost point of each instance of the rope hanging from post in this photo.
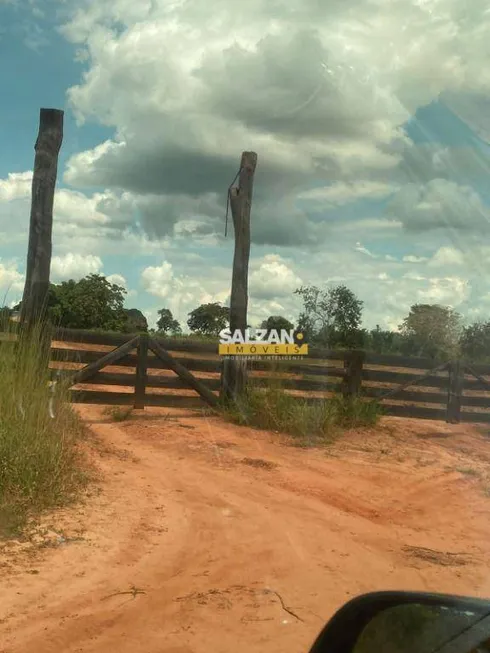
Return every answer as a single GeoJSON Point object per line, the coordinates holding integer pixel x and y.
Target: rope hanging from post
{"type": "Point", "coordinates": [228, 200]}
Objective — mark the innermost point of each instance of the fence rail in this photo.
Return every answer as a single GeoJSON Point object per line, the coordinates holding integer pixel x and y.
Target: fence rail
{"type": "Point", "coordinates": [416, 387]}
{"type": "Point", "coordinates": [209, 346]}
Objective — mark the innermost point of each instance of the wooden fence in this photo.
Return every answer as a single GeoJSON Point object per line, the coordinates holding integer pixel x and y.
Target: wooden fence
{"type": "Point", "coordinates": [183, 373]}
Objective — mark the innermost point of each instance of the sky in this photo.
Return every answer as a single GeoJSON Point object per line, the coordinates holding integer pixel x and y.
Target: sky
{"type": "Point", "coordinates": [370, 118]}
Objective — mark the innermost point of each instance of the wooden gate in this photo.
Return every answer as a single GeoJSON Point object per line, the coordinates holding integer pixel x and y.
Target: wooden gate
{"type": "Point", "coordinates": [451, 390]}
{"type": "Point", "coordinates": [143, 346]}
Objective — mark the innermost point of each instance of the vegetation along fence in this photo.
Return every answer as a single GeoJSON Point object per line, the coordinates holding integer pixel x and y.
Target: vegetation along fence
{"type": "Point", "coordinates": [117, 369]}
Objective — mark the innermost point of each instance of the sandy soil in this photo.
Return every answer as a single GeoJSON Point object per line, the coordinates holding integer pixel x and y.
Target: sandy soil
{"type": "Point", "coordinates": [205, 537]}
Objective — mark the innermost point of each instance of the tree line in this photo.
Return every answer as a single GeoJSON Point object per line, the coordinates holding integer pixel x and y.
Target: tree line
{"type": "Point", "coordinates": [330, 317]}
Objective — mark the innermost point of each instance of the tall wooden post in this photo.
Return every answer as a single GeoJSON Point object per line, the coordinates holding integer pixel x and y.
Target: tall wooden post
{"type": "Point", "coordinates": [47, 147]}
{"type": "Point", "coordinates": [233, 376]}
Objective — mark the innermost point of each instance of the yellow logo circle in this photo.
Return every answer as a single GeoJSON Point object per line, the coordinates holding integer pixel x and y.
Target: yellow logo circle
{"type": "Point", "coordinates": [299, 336]}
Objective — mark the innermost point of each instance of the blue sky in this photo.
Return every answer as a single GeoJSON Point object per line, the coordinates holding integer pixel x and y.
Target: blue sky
{"type": "Point", "coordinates": [44, 69]}
{"type": "Point", "coordinates": [440, 153]}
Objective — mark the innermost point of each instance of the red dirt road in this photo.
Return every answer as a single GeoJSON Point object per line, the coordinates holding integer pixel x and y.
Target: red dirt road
{"type": "Point", "coordinates": [205, 537]}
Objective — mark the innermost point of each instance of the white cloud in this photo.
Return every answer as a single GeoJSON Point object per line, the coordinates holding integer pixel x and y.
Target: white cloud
{"type": "Point", "coordinates": [341, 193]}
{"type": "Point", "coordinates": [74, 213]}
{"type": "Point", "coordinates": [11, 282]}
{"type": "Point", "coordinates": [107, 221]}
{"type": "Point", "coordinates": [182, 293]}
{"type": "Point", "coordinates": [79, 209]}
{"type": "Point", "coordinates": [447, 256]}
{"type": "Point", "coordinates": [411, 258]}
{"type": "Point", "coordinates": [363, 250]}
{"type": "Point", "coordinates": [414, 276]}
{"type": "Point", "coordinates": [323, 103]}
{"type": "Point", "coordinates": [450, 291]}
{"type": "Point", "coordinates": [158, 280]}
{"type": "Point", "coordinates": [121, 280]}
{"type": "Point", "coordinates": [272, 278]}
{"type": "Point", "coordinates": [440, 204]}
{"type": "Point", "coordinates": [16, 186]}
{"type": "Point", "coordinates": [261, 310]}
{"type": "Point", "coordinates": [74, 266]}
{"type": "Point", "coordinates": [368, 226]}
{"type": "Point", "coordinates": [117, 279]}
{"type": "Point", "coordinates": [320, 90]}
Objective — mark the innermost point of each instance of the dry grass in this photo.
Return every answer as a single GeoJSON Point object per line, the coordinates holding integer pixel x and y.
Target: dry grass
{"type": "Point", "coordinates": [119, 413]}
{"type": "Point", "coordinates": [272, 409]}
{"type": "Point", "coordinates": [40, 462]}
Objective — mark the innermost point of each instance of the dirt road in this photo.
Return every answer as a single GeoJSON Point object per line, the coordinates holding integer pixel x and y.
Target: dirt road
{"type": "Point", "coordinates": [207, 537]}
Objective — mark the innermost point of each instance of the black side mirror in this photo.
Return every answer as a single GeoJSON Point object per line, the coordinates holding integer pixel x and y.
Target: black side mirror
{"type": "Point", "coordinates": [408, 622]}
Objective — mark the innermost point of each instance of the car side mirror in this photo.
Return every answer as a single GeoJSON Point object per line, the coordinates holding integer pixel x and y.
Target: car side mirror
{"type": "Point", "coordinates": [407, 622]}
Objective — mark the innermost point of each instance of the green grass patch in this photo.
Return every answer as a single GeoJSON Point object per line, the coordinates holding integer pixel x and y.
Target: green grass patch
{"type": "Point", "coordinates": [271, 408]}
{"type": "Point", "coordinates": [41, 466]}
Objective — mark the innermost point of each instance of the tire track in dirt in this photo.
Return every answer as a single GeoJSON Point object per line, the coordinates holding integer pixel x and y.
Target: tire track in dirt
{"type": "Point", "coordinates": [191, 548]}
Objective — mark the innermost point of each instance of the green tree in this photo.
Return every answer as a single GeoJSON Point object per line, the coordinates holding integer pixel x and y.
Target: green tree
{"type": "Point", "coordinates": [5, 314]}
{"type": "Point", "coordinates": [91, 303]}
{"type": "Point", "coordinates": [277, 323]}
{"type": "Point", "coordinates": [331, 316]}
{"type": "Point", "coordinates": [136, 322]}
{"type": "Point", "coordinates": [431, 330]}
{"type": "Point", "coordinates": [475, 341]}
{"type": "Point", "coordinates": [306, 327]}
{"type": "Point", "coordinates": [167, 324]}
{"type": "Point", "coordinates": [209, 319]}
{"type": "Point", "coordinates": [382, 341]}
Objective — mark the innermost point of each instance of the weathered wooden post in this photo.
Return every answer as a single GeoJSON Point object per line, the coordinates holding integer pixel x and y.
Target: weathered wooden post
{"type": "Point", "coordinates": [141, 372]}
{"type": "Point", "coordinates": [233, 376]}
{"type": "Point", "coordinates": [352, 381]}
{"type": "Point", "coordinates": [454, 392]}
{"type": "Point", "coordinates": [47, 147]}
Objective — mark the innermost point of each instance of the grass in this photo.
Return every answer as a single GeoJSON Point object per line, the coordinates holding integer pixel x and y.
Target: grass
{"type": "Point", "coordinates": [41, 466]}
{"type": "Point", "coordinates": [468, 471]}
{"type": "Point", "coordinates": [272, 409]}
{"type": "Point", "coordinates": [118, 413]}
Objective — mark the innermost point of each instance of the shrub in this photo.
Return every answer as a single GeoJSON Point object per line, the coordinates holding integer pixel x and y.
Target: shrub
{"type": "Point", "coordinates": [273, 409]}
